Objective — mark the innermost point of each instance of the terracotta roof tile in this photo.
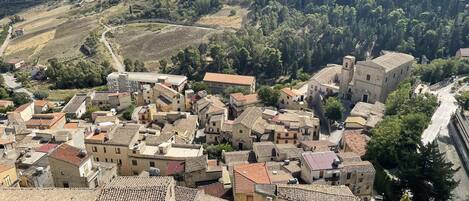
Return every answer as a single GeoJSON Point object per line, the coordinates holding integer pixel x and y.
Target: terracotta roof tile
{"type": "Point", "coordinates": [69, 154]}
{"type": "Point", "coordinates": [256, 172]}
{"type": "Point", "coordinates": [230, 79]}
{"type": "Point", "coordinates": [356, 142]}
{"type": "Point", "coordinates": [290, 92]}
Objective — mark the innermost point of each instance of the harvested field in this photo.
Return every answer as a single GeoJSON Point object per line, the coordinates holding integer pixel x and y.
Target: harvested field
{"type": "Point", "coordinates": [153, 42]}
{"type": "Point", "coordinates": [34, 43]}
{"type": "Point", "coordinates": [68, 38]}
{"type": "Point", "coordinates": [50, 32]}
{"type": "Point", "coordinates": [224, 19]}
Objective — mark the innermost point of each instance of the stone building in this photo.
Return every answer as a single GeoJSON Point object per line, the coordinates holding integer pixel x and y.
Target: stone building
{"type": "Point", "coordinates": [339, 169]}
{"type": "Point", "coordinates": [291, 99]}
{"type": "Point", "coordinates": [373, 80]}
{"type": "Point", "coordinates": [133, 81]}
{"type": "Point", "coordinates": [218, 82]}
{"type": "Point", "coordinates": [72, 167]}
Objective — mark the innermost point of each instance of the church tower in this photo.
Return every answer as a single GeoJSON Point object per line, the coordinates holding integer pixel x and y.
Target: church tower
{"type": "Point", "coordinates": [346, 75]}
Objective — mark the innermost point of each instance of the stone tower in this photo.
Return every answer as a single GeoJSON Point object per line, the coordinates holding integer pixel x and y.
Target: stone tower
{"type": "Point", "coordinates": [346, 75]}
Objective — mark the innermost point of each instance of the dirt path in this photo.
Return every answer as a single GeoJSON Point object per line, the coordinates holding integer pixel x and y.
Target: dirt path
{"type": "Point", "coordinates": [117, 63]}
{"type": "Point", "coordinates": [5, 43]}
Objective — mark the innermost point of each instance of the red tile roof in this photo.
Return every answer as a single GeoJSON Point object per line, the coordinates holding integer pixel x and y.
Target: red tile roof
{"type": "Point", "coordinates": [246, 175]}
{"type": "Point", "coordinates": [290, 92]}
{"type": "Point", "coordinates": [356, 142]}
{"type": "Point", "coordinates": [46, 148]}
{"type": "Point", "coordinates": [5, 103]}
{"type": "Point", "coordinates": [250, 98]}
{"type": "Point", "coordinates": [216, 189]}
{"type": "Point", "coordinates": [21, 108]}
{"type": "Point", "coordinates": [42, 103]}
{"type": "Point", "coordinates": [229, 79]}
{"type": "Point", "coordinates": [5, 167]}
{"type": "Point", "coordinates": [69, 154]}
{"type": "Point", "coordinates": [71, 125]}
{"type": "Point", "coordinates": [45, 121]}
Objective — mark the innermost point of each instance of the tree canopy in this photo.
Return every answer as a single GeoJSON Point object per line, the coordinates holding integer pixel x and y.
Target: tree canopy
{"type": "Point", "coordinates": [334, 109]}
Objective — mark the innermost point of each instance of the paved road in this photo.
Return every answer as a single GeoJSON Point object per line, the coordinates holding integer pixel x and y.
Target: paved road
{"type": "Point", "coordinates": [11, 83]}
{"type": "Point", "coordinates": [5, 43]}
{"type": "Point", "coordinates": [447, 145]}
{"type": "Point", "coordinates": [442, 115]}
{"type": "Point", "coordinates": [117, 63]}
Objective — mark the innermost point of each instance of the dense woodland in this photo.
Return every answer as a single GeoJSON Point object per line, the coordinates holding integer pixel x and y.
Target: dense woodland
{"type": "Point", "coordinates": [284, 37]}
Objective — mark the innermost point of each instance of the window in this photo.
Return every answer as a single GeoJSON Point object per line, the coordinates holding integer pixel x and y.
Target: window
{"type": "Point", "coordinates": [134, 162]}
{"type": "Point", "coordinates": [66, 184]}
{"type": "Point", "coordinates": [7, 180]}
{"type": "Point", "coordinates": [112, 160]}
{"type": "Point", "coordinates": [104, 149]}
{"type": "Point", "coordinates": [62, 173]}
{"type": "Point", "coordinates": [135, 172]}
{"type": "Point", "coordinates": [105, 160]}
{"type": "Point", "coordinates": [360, 180]}
{"type": "Point", "coordinates": [394, 75]}
{"type": "Point", "coordinates": [386, 80]}
{"type": "Point", "coordinates": [240, 131]}
{"type": "Point", "coordinates": [294, 135]}
{"type": "Point", "coordinates": [286, 141]}
{"type": "Point", "coordinates": [368, 77]}
{"type": "Point", "coordinates": [349, 175]}
{"type": "Point", "coordinates": [97, 159]}
{"type": "Point", "coordinates": [152, 164]}
{"type": "Point", "coordinates": [401, 71]}
{"type": "Point", "coordinates": [119, 161]}
{"type": "Point", "coordinates": [213, 124]}
{"type": "Point", "coordinates": [94, 149]}
{"type": "Point", "coordinates": [118, 150]}
{"type": "Point", "coordinates": [286, 134]}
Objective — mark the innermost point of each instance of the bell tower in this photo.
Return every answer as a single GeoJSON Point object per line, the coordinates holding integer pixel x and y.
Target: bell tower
{"type": "Point", "coordinates": [346, 75]}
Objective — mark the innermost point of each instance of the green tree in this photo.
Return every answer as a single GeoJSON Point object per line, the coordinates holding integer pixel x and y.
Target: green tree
{"type": "Point", "coordinates": [20, 98]}
{"type": "Point", "coordinates": [215, 151]}
{"type": "Point", "coordinates": [23, 77]}
{"type": "Point", "coordinates": [41, 95]}
{"type": "Point", "coordinates": [433, 177]}
{"type": "Point", "coordinates": [199, 86]}
{"type": "Point", "coordinates": [268, 95]}
{"type": "Point", "coordinates": [463, 99]}
{"type": "Point", "coordinates": [127, 115]}
{"type": "Point", "coordinates": [333, 109]}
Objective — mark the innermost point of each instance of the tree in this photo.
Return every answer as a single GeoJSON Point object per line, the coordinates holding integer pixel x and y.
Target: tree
{"type": "Point", "coordinates": [41, 95]}
{"type": "Point", "coordinates": [334, 109]}
{"type": "Point", "coordinates": [127, 115]}
{"type": "Point", "coordinates": [199, 86]}
{"type": "Point", "coordinates": [163, 65]}
{"type": "Point", "coordinates": [215, 151]}
{"type": "Point", "coordinates": [463, 99]}
{"type": "Point", "coordinates": [23, 77]}
{"type": "Point", "coordinates": [20, 98]}
{"type": "Point", "coordinates": [432, 179]}
{"type": "Point", "coordinates": [268, 95]}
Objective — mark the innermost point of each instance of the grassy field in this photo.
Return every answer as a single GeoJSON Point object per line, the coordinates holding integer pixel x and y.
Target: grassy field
{"type": "Point", "coordinates": [56, 94]}
{"type": "Point", "coordinates": [225, 19]}
{"type": "Point", "coordinates": [153, 42]}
